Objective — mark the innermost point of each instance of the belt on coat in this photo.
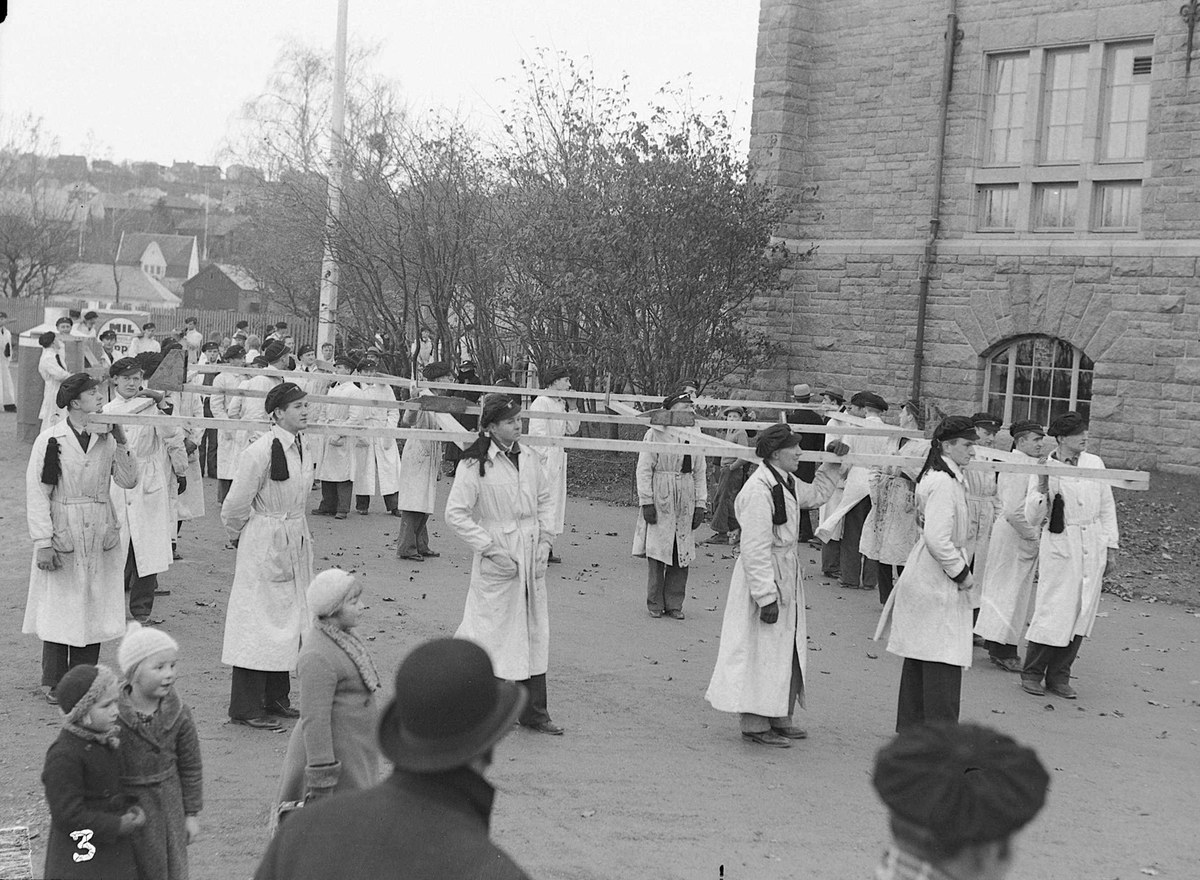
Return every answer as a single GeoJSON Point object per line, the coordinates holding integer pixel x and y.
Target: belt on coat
{"type": "Point", "coordinates": [81, 499]}
{"type": "Point", "coordinates": [508, 524]}
{"type": "Point", "coordinates": [279, 516]}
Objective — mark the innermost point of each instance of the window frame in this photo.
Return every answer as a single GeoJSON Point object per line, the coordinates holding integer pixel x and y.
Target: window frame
{"type": "Point", "coordinates": [1010, 347]}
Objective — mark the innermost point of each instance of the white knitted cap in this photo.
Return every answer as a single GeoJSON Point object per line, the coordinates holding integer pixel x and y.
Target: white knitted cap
{"type": "Point", "coordinates": [139, 643]}
{"type": "Point", "coordinates": [328, 591]}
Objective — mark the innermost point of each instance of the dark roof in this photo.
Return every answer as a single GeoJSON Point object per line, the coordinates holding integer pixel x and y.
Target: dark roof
{"type": "Point", "coordinates": [176, 250]}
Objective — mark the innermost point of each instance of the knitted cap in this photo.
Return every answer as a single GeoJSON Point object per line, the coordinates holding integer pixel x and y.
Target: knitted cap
{"type": "Point", "coordinates": [81, 687]}
{"type": "Point", "coordinates": [139, 643]}
{"type": "Point", "coordinates": [328, 591]}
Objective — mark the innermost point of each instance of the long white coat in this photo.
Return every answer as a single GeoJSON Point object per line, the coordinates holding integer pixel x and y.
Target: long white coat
{"type": "Point", "coordinates": [146, 512]}
{"type": "Point", "coordinates": [553, 458]}
{"type": "Point", "coordinates": [267, 605]}
{"type": "Point", "coordinates": [337, 454]}
{"type": "Point", "coordinates": [754, 662]}
{"type": "Point", "coordinates": [506, 509]}
{"type": "Point", "coordinates": [930, 617]}
{"type": "Point", "coordinates": [983, 506]}
{"type": "Point", "coordinates": [84, 601]}
{"type": "Point", "coordinates": [1071, 564]}
{"type": "Point", "coordinates": [190, 504]}
{"type": "Point", "coordinates": [254, 409]}
{"type": "Point", "coordinates": [8, 390]}
{"type": "Point", "coordinates": [858, 480]}
{"type": "Point", "coordinates": [419, 466]}
{"type": "Point", "coordinates": [675, 496]}
{"type": "Point", "coordinates": [377, 464]}
{"type": "Point", "coordinates": [1007, 585]}
{"type": "Point", "coordinates": [52, 371]}
{"type": "Point", "coordinates": [227, 406]}
{"type": "Point", "coordinates": [317, 383]}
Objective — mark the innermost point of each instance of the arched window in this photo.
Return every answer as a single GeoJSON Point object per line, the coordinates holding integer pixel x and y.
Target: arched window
{"type": "Point", "coordinates": [1038, 377]}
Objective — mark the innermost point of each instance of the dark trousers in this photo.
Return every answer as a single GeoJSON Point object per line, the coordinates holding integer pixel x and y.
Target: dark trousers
{"type": "Point", "coordinates": [928, 692]}
{"type": "Point", "coordinates": [58, 659]}
{"type": "Point", "coordinates": [1050, 662]}
{"type": "Point", "coordinates": [732, 478]}
{"type": "Point", "coordinates": [222, 489]}
{"type": "Point", "coordinates": [831, 558]}
{"type": "Point", "coordinates": [535, 711]}
{"type": "Point", "coordinates": [807, 533]}
{"type": "Point", "coordinates": [414, 533]}
{"type": "Point", "coordinates": [1001, 651]}
{"type": "Point", "coordinates": [857, 570]}
{"type": "Point", "coordinates": [887, 579]}
{"type": "Point", "coordinates": [335, 496]}
{"type": "Point", "coordinates": [363, 502]}
{"type": "Point", "coordinates": [666, 585]}
{"type": "Point", "coordinates": [208, 453]}
{"type": "Point", "coordinates": [255, 693]}
{"type": "Point", "coordinates": [139, 590]}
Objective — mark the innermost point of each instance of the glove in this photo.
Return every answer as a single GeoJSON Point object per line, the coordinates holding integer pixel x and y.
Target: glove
{"type": "Point", "coordinates": [338, 441]}
{"type": "Point", "coordinates": [133, 819]}
{"type": "Point", "coordinates": [543, 560]}
{"type": "Point", "coordinates": [649, 514]}
{"type": "Point", "coordinates": [181, 482]}
{"type": "Point", "coordinates": [837, 447]}
{"type": "Point", "coordinates": [189, 447]}
{"type": "Point", "coordinates": [769, 613]}
{"type": "Point", "coordinates": [47, 559]}
{"type": "Point", "coordinates": [118, 434]}
{"type": "Point", "coordinates": [697, 517]}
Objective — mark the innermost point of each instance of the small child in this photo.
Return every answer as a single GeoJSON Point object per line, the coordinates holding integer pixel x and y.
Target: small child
{"type": "Point", "coordinates": [160, 752]}
{"type": "Point", "coordinates": [91, 820]}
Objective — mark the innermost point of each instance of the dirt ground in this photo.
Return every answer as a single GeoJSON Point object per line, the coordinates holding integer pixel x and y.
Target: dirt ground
{"type": "Point", "coordinates": [649, 781]}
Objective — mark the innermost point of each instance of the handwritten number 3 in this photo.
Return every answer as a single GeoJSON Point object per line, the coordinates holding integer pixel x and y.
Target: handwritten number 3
{"type": "Point", "coordinates": [82, 839]}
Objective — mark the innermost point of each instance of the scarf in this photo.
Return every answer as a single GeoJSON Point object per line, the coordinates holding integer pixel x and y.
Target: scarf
{"type": "Point", "coordinates": [778, 507]}
{"type": "Point", "coordinates": [355, 650]}
{"type": "Point", "coordinates": [109, 738]}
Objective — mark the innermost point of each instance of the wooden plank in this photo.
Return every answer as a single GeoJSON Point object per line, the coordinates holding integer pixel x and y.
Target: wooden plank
{"type": "Point", "coordinates": [666, 418]}
{"type": "Point", "coordinates": [16, 859]}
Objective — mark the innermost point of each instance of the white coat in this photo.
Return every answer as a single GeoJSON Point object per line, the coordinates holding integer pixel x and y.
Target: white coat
{"type": "Point", "coordinates": [858, 481]}
{"type": "Point", "coordinates": [227, 406]}
{"type": "Point", "coordinates": [983, 506]}
{"type": "Point", "coordinates": [507, 509]}
{"type": "Point", "coordinates": [8, 390]}
{"type": "Point", "coordinates": [53, 372]}
{"type": "Point", "coordinates": [419, 465]}
{"type": "Point", "coordinates": [553, 458]}
{"type": "Point", "coordinates": [84, 601]}
{"type": "Point", "coordinates": [146, 512]}
{"type": "Point", "coordinates": [267, 606]}
{"type": "Point", "coordinates": [1071, 563]}
{"type": "Point", "coordinates": [754, 662]}
{"type": "Point", "coordinates": [376, 464]}
{"type": "Point", "coordinates": [675, 496]}
{"type": "Point", "coordinates": [254, 409]}
{"type": "Point", "coordinates": [337, 455]}
{"type": "Point", "coordinates": [890, 530]}
{"type": "Point", "coordinates": [1007, 583]}
{"type": "Point", "coordinates": [190, 504]}
{"type": "Point", "coordinates": [318, 383]}
{"type": "Point", "coordinates": [930, 617]}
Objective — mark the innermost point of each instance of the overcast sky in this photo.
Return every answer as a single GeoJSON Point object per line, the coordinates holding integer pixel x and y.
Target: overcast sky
{"type": "Point", "coordinates": [161, 79]}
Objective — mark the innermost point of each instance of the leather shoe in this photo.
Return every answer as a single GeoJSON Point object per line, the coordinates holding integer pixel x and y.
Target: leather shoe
{"type": "Point", "coordinates": [413, 557]}
{"type": "Point", "coordinates": [395, 512]}
{"type": "Point", "coordinates": [430, 554]}
{"type": "Point", "coordinates": [546, 727]}
{"type": "Point", "coordinates": [316, 511]}
{"type": "Point", "coordinates": [768, 738]}
{"type": "Point", "coordinates": [554, 559]}
{"type": "Point", "coordinates": [1033, 687]}
{"type": "Point", "coordinates": [339, 516]}
{"type": "Point", "coordinates": [654, 612]}
{"type": "Point", "coordinates": [1008, 664]}
{"type": "Point", "coordinates": [257, 723]}
{"type": "Point", "coordinates": [1063, 690]}
{"type": "Point", "coordinates": [362, 512]}
{"type": "Point", "coordinates": [791, 732]}
{"type": "Point", "coordinates": [51, 697]}
{"type": "Point", "coordinates": [675, 613]}
{"type": "Point", "coordinates": [718, 538]}
{"type": "Point", "coordinates": [284, 711]}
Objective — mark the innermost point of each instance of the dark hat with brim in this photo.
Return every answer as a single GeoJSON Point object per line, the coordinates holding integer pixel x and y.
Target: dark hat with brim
{"type": "Point", "coordinates": [497, 408]}
{"type": "Point", "coordinates": [870, 400]}
{"type": "Point", "coordinates": [960, 784]}
{"type": "Point", "coordinates": [955, 428]}
{"type": "Point", "coordinates": [275, 351]}
{"type": "Point", "coordinates": [234, 351]}
{"type": "Point", "coordinates": [772, 439]}
{"type": "Point", "coordinates": [1029, 426]}
{"type": "Point", "coordinates": [554, 374]}
{"type": "Point", "coordinates": [449, 708]}
{"type": "Point", "coordinates": [148, 361]}
{"type": "Point", "coordinates": [988, 421]}
{"type": "Point", "coordinates": [211, 346]}
{"type": "Point", "coordinates": [740, 410]}
{"type": "Point", "coordinates": [672, 399]}
{"type": "Point", "coordinates": [125, 367]}
{"type": "Point", "coordinates": [282, 395]}
{"type": "Point", "coordinates": [1067, 424]}
{"type": "Point", "coordinates": [73, 386]}
{"type": "Point", "coordinates": [436, 370]}
{"type": "Point", "coordinates": [305, 349]}
{"type": "Point", "coordinates": [344, 360]}
{"type": "Point", "coordinates": [835, 392]}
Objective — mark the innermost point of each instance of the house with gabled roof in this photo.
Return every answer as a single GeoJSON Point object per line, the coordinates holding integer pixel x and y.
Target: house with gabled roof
{"type": "Point", "coordinates": [223, 286]}
{"type": "Point", "coordinates": [169, 259]}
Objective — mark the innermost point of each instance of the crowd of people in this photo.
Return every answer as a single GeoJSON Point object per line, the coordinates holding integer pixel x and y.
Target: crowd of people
{"type": "Point", "coordinates": [953, 551]}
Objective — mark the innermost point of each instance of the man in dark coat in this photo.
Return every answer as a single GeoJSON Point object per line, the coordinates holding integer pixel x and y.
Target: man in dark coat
{"type": "Point", "coordinates": [809, 442]}
{"type": "Point", "coordinates": [429, 820]}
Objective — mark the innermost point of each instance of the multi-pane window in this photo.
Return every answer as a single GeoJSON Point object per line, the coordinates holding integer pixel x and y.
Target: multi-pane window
{"type": "Point", "coordinates": [1127, 100]}
{"type": "Point", "coordinates": [1064, 105]}
{"type": "Point", "coordinates": [1007, 75]}
{"type": "Point", "coordinates": [1064, 139]}
{"type": "Point", "coordinates": [1038, 377]}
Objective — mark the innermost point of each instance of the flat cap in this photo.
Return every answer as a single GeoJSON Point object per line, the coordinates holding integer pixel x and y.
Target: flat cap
{"type": "Point", "coordinates": [869, 399]}
{"type": "Point", "coordinates": [802, 391]}
{"type": "Point", "coordinates": [955, 428]}
{"type": "Point", "coordinates": [1067, 424]}
{"type": "Point", "coordinates": [1028, 426]}
{"type": "Point", "coordinates": [987, 420]}
{"type": "Point", "coordinates": [73, 386]}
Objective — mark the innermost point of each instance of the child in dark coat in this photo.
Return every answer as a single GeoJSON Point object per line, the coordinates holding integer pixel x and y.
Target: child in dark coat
{"type": "Point", "coordinates": [91, 820]}
{"type": "Point", "coordinates": [160, 753]}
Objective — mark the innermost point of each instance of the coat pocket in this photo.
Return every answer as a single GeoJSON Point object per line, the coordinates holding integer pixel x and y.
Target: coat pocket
{"type": "Point", "coordinates": [62, 542]}
{"type": "Point", "coordinates": [278, 560]}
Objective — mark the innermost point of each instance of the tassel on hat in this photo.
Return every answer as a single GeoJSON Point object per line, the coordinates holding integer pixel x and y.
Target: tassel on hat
{"type": "Point", "coordinates": [51, 466]}
{"type": "Point", "coordinates": [1057, 521]}
{"type": "Point", "coordinates": [279, 465]}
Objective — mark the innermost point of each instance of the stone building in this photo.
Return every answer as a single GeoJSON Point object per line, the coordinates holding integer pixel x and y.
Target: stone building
{"type": "Point", "coordinates": [1058, 267]}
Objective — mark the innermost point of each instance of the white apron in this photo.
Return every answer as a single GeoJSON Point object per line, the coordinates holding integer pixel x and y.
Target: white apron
{"type": "Point", "coordinates": [553, 458]}
{"type": "Point", "coordinates": [227, 406]}
{"type": "Point", "coordinates": [675, 495]}
{"type": "Point", "coordinates": [419, 468]}
{"type": "Point", "coordinates": [337, 453]}
{"type": "Point", "coordinates": [1007, 585]}
{"type": "Point", "coordinates": [376, 464]}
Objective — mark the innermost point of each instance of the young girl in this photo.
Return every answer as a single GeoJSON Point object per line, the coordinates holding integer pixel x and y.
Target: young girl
{"type": "Point", "coordinates": [333, 748]}
{"type": "Point", "coordinates": [160, 753]}
{"type": "Point", "coordinates": [90, 819]}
